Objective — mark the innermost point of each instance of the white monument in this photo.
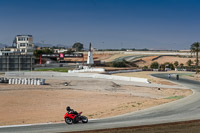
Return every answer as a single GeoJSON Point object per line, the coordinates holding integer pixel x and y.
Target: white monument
{"type": "Point", "coordinates": [90, 56]}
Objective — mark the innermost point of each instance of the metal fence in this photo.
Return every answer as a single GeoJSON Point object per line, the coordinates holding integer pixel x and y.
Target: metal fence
{"type": "Point", "coordinates": [16, 62]}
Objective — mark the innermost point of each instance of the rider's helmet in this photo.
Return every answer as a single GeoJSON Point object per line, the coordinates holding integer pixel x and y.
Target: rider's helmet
{"type": "Point", "coordinates": [68, 108]}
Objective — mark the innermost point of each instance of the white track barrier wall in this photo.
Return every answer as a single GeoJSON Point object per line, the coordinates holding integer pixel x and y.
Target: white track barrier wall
{"type": "Point", "coordinates": [101, 70]}
{"type": "Point", "coordinates": [26, 81]}
{"type": "Point", "coordinates": [82, 75]}
{"type": "Point", "coordinates": [87, 70]}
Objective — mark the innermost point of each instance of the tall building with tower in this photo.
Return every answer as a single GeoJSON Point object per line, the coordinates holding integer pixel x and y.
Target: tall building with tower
{"type": "Point", "coordinates": [24, 44]}
{"type": "Point", "coordinates": [20, 56]}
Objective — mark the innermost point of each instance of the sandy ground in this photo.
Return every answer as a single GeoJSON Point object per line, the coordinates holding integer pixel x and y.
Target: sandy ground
{"type": "Point", "coordinates": [23, 104]}
{"type": "Point", "coordinates": [115, 56]}
{"type": "Point", "coordinates": [146, 61]}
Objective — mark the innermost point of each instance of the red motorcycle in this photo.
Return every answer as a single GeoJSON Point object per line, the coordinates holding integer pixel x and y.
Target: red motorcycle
{"type": "Point", "coordinates": [75, 118]}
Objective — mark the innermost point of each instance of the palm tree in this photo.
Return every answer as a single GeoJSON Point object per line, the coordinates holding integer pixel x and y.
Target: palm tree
{"type": "Point", "coordinates": [189, 62]}
{"type": "Point", "coordinates": [195, 48]}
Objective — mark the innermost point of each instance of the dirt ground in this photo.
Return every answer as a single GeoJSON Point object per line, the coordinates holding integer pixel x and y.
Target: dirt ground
{"type": "Point", "coordinates": [146, 61]}
{"type": "Point", "coordinates": [24, 104]}
{"type": "Point", "coordinates": [115, 56]}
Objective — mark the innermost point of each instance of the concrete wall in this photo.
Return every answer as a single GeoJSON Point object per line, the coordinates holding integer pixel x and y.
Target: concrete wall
{"type": "Point", "coordinates": [81, 75]}
{"type": "Point", "coordinates": [87, 70]}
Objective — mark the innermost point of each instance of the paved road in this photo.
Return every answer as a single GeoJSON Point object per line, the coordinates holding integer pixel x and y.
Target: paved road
{"type": "Point", "coordinates": [185, 109]}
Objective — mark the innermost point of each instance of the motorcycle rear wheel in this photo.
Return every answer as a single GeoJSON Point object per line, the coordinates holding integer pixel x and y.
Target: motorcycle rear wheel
{"type": "Point", "coordinates": [68, 121]}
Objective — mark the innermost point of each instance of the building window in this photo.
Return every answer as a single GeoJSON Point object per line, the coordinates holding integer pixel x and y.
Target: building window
{"type": "Point", "coordinates": [22, 50]}
{"type": "Point", "coordinates": [22, 39]}
{"type": "Point", "coordinates": [22, 44]}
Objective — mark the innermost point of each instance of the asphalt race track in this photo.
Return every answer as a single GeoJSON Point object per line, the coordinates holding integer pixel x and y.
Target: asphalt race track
{"type": "Point", "coordinates": [181, 110]}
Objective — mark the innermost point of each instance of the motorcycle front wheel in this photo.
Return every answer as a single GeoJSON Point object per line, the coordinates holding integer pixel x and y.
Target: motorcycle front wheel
{"type": "Point", "coordinates": [68, 120]}
{"type": "Point", "coordinates": [84, 119]}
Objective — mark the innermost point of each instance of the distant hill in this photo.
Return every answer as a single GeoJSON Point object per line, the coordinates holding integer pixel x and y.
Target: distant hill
{"type": "Point", "coordinates": [51, 45]}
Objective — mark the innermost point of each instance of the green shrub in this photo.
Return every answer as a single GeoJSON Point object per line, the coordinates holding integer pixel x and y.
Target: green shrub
{"type": "Point", "coordinates": [119, 64]}
{"type": "Point", "coordinates": [154, 65]}
{"type": "Point", "coordinates": [145, 67]}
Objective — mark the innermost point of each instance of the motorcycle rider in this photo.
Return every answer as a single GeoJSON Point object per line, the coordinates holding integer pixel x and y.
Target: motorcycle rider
{"type": "Point", "coordinates": [169, 76]}
{"type": "Point", "coordinates": [71, 111]}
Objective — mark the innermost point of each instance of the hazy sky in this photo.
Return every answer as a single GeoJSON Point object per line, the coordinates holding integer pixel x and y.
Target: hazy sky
{"type": "Point", "coordinates": [153, 24]}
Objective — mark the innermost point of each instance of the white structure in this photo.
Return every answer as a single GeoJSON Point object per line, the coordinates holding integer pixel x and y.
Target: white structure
{"type": "Point", "coordinates": [60, 50]}
{"type": "Point", "coordinates": [26, 81]}
{"type": "Point", "coordinates": [24, 44]}
{"type": "Point", "coordinates": [90, 60]}
{"type": "Point", "coordinates": [87, 69]}
{"type": "Point", "coordinates": [5, 52]}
